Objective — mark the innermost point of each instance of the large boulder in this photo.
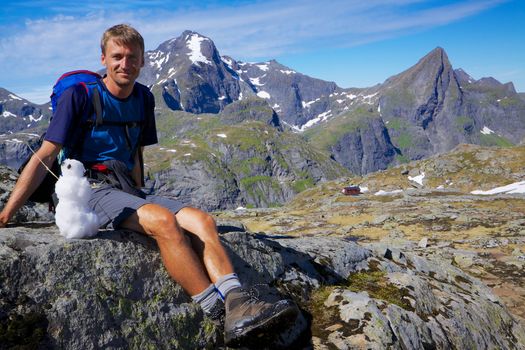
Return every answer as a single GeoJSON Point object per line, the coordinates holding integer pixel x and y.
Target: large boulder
{"type": "Point", "coordinates": [112, 292]}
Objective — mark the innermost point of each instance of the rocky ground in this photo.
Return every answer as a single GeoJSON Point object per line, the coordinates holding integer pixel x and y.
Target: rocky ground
{"type": "Point", "coordinates": [427, 265]}
{"type": "Point", "coordinates": [482, 235]}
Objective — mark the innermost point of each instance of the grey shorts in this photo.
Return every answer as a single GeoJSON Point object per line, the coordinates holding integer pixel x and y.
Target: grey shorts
{"type": "Point", "coordinates": [113, 205]}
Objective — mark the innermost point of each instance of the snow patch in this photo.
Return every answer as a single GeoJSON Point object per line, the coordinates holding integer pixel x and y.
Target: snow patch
{"type": "Point", "coordinates": [228, 61]}
{"type": "Point", "coordinates": [256, 82]}
{"type": "Point", "coordinates": [194, 44]}
{"type": "Point", "coordinates": [33, 119]}
{"type": "Point", "coordinates": [517, 187]}
{"type": "Point", "coordinates": [309, 103]}
{"type": "Point", "coordinates": [6, 114]}
{"type": "Point", "coordinates": [263, 67]}
{"type": "Point", "coordinates": [419, 178]}
{"type": "Point", "coordinates": [14, 97]}
{"type": "Point", "coordinates": [486, 131]}
{"type": "Point", "coordinates": [222, 135]}
{"type": "Point", "coordinates": [386, 193]}
{"type": "Point", "coordinates": [263, 94]}
{"type": "Point", "coordinates": [288, 72]}
{"type": "Point", "coordinates": [320, 118]}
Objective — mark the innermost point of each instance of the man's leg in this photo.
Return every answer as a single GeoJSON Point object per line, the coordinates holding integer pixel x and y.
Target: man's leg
{"type": "Point", "coordinates": [202, 230]}
{"type": "Point", "coordinates": [178, 256]}
{"type": "Point", "coordinates": [195, 265]}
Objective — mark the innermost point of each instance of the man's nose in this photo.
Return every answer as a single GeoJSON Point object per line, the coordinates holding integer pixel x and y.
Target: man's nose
{"type": "Point", "coordinates": [125, 62]}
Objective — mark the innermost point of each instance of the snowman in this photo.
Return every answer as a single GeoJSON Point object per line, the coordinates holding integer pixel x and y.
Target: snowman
{"type": "Point", "coordinates": [73, 216]}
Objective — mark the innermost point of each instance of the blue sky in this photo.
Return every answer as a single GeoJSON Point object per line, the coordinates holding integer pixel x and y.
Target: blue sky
{"type": "Point", "coordinates": [352, 42]}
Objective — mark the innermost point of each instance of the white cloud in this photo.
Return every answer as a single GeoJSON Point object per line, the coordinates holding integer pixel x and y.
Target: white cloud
{"type": "Point", "coordinates": [69, 39]}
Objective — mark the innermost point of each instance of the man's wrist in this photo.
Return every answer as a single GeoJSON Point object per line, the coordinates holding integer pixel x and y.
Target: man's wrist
{"type": "Point", "coordinates": [4, 219]}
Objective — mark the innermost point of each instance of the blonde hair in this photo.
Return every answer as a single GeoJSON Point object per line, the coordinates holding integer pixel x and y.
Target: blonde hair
{"type": "Point", "coordinates": [123, 34]}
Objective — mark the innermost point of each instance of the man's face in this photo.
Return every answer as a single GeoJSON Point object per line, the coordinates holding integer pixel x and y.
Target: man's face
{"type": "Point", "coordinates": [123, 63]}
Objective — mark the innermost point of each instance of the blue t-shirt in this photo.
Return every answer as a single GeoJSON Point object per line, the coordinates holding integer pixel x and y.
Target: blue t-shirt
{"type": "Point", "coordinates": [107, 141]}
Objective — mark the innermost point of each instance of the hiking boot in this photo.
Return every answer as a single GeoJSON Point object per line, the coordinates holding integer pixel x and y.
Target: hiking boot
{"type": "Point", "coordinates": [250, 320]}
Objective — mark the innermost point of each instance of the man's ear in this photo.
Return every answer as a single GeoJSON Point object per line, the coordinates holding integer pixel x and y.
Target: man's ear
{"type": "Point", "coordinates": [103, 60]}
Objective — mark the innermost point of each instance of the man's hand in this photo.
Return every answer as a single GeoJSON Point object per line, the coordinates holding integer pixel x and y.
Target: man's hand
{"type": "Point", "coordinates": [3, 219]}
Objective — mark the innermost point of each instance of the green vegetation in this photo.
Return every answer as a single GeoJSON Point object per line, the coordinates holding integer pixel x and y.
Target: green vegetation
{"type": "Point", "coordinates": [323, 316]}
{"type": "Point", "coordinates": [397, 124]}
{"type": "Point", "coordinates": [328, 134]}
{"type": "Point", "coordinates": [301, 185]}
{"type": "Point", "coordinates": [378, 286]}
{"type": "Point", "coordinates": [494, 140]}
{"type": "Point", "coordinates": [404, 140]}
{"type": "Point", "coordinates": [462, 123]}
{"type": "Point", "coordinates": [401, 159]}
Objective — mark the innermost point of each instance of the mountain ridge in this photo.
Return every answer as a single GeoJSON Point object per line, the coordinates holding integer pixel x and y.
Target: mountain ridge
{"type": "Point", "coordinates": [427, 109]}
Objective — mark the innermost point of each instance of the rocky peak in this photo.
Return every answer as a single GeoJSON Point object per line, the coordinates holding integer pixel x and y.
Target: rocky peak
{"type": "Point", "coordinates": [422, 78]}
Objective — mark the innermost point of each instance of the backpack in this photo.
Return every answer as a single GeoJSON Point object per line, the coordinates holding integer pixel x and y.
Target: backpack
{"type": "Point", "coordinates": [44, 192]}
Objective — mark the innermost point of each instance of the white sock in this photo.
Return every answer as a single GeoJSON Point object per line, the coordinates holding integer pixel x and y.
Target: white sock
{"type": "Point", "coordinates": [226, 283]}
{"type": "Point", "coordinates": [207, 298]}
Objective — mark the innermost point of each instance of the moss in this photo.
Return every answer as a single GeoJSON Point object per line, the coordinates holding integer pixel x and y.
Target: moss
{"type": "Point", "coordinates": [404, 141]}
{"type": "Point", "coordinates": [248, 166]}
{"type": "Point", "coordinates": [397, 124]}
{"type": "Point", "coordinates": [463, 123]}
{"type": "Point", "coordinates": [494, 140]}
{"type": "Point", "coordinates": [301, 185]}
{"type": "Point", "coordinates": [322, 316]}
{"type": "Point", "coordinates": [509, 102]}
{"type": "Point", "coordinates": [252, 180]}
{"type": "Point", "coordinates": [400, 158]}
{"type": "Point", "coordinates": [328, 134]}
{"type": "Point", "coordinates": [377, 285]}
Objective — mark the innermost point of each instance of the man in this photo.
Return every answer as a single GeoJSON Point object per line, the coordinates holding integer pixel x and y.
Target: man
{"type": "Point", "coordinates": [187, 237]}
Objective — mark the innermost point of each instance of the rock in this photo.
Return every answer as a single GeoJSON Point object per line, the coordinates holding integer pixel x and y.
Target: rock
{"type": "Point", "coordinates": [464, 260]}
{"type": "Point", "coordinates": [423, 242]}
{"type": "Point", "coordinates": [113, 292]}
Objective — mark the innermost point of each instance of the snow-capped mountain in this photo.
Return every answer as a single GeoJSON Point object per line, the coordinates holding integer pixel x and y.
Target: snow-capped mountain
{"type": "Point", "coordinates": [189, 74]}
{"type": "Point", "coordinates": [18, 114]}
{"type": "Point", "coordinates": [427, 109]}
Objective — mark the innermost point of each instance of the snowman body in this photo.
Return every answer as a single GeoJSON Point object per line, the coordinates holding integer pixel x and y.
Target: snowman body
{"type": "Point", "coordinates": [73, 216]}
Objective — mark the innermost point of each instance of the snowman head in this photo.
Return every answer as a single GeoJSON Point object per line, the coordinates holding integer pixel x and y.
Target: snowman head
{"type": "Point", "coordinates": [73, 168]}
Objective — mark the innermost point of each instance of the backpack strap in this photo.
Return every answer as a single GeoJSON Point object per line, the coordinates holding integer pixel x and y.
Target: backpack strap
{"type": "Point", "coordinates": [97, 106]}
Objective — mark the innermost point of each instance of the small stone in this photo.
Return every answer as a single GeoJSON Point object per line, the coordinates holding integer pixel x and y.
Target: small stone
{"type": "Point", "coordinates": [423, 242]}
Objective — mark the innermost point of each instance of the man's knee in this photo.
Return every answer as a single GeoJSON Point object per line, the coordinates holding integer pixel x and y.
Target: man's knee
{"type": "Point", "coordinates": [198, 222]}
{"type": "Point", "coordinates": [161, 224]}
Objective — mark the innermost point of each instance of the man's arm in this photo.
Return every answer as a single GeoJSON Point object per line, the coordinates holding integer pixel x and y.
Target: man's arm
{"type": "Point", "coordinates": [31, 177]}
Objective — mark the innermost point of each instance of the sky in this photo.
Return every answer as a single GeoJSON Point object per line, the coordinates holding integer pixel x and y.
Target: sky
{"type": "Point", "coordinates": [354, 43]}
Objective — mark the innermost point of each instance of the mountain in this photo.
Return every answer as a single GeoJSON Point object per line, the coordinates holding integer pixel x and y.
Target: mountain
{"type": "Point", "coordinates": [428, 109]}
{"type": "Point", "coordinates": [188, 73]}
{"type": "Point", "coordinates": [19, 114]}
{"type": "Point", "coordinates": [239, 157]}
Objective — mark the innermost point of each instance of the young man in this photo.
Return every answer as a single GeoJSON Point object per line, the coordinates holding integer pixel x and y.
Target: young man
{"type": "Point", "coordinates": [187, 237]}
